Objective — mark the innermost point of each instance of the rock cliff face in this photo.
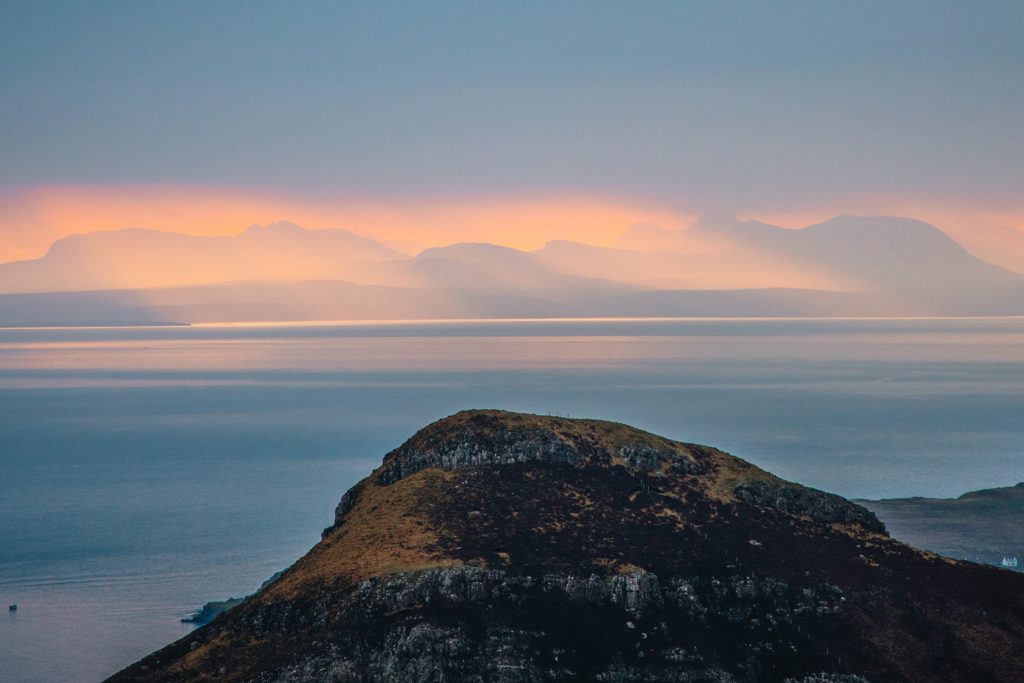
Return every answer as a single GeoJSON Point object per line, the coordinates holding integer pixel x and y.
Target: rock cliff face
{"type": "Point", "coordinates": [496, 546]}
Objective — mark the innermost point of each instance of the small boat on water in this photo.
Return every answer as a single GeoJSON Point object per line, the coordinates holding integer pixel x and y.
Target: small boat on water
{"type": "Point", "coordinates": [12, 608]}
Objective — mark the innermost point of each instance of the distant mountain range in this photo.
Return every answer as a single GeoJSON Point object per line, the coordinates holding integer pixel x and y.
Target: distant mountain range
{"type": "Point", "coordinates": [847, 252]}
{"type": "Point", "coordinates": [719, 266]}
{"type": "Point", "coordinates": [137, 259]}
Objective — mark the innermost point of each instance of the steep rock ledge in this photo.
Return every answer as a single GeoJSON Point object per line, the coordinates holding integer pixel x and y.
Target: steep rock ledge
{"type": "Point", "coordinates": [489, 438]}
{"type": "Point", "coordinates": [425, 638]}
{"type": "Point", "coordinates": [818, 505]}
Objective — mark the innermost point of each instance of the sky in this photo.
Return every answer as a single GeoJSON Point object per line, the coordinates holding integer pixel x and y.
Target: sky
{"type": "Point", "coordinates": [665, 110]}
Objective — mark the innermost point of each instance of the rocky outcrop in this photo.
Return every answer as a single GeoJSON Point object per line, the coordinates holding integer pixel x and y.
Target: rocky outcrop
{"type": "Point", "coordinates": [464, 450]}
{"type": "Point", "coordinates": [487, 439]}
{"type": "Point", "coordinates": [647, 612]}
{"type": "Point", "coordinates": [827, 508]}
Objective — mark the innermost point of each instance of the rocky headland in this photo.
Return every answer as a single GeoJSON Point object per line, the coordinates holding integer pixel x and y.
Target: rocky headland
{"type": "Point", "coordinates": [496, 546]}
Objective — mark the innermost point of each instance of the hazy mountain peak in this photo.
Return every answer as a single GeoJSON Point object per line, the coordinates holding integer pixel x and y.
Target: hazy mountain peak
{"type": "Point", "coordinates": [277, 227]}
{"type": "Point", "coordinates": [113, 233]}
{"type": "Point", "coordinates": [893, 237]}
{"type": "Point", "coordinates": [471, 249]}
{"type": "Point", "coordinates": [726, 224]}
{"type": "Point", "coordinates": [715, 219]}
{"type": "Point", "coordinates": [144, 258]}
{"type": "Point", "coordinates": [854, 223]}
{"type": "Point", "coordinates": [559, 242]}
{"type": "Point", "coordinates": [647, 236]}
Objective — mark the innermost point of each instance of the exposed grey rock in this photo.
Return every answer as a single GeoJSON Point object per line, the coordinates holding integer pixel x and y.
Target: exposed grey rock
{"type": "Point", "coordinates": [419, 649]}
{"type": "Point", "coordinates": [345, 504]}
{"type": "Point", "coordinates": [799, 500]}
{"type": "Point", "coordinates": [508, 448]}
{"type": "Point", "coordinates": [524, 445]}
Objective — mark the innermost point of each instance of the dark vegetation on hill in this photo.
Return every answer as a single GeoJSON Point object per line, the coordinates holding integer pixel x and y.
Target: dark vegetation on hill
{"type": "Point", "coordinates": [496, 546]}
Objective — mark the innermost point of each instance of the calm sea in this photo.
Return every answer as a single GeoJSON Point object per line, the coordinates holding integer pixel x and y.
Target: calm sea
{"type": "Point", "coordinates": [144, 471]}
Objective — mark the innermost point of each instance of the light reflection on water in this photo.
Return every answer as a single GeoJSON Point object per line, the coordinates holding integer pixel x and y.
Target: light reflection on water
{"type": "Point", "coordinates": [147, 470]}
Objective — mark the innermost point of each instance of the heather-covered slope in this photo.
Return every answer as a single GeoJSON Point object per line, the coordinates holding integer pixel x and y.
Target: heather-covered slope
{"type": "Point", "coordinates": [497, 546]}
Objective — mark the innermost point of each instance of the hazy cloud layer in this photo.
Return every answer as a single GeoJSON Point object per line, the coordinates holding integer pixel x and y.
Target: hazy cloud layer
{"type": "Point", "coordinates": [703, 106]}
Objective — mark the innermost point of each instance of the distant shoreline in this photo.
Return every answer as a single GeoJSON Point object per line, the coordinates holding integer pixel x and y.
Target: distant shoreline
{"type": "Point", "coordinates": [463, 321]}
{"type": "Point", "coordinates": [79, 326]}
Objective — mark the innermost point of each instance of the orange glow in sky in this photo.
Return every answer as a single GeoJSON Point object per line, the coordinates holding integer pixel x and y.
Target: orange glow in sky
{"type": "Point", "coordinates": [32, 219]}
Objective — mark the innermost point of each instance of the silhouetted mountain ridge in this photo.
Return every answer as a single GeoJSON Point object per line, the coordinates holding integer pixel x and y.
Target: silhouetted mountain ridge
{"type": "Point", "coordinates": [136, 258]}
{"type": "Point", "coordinates": [848, 266]}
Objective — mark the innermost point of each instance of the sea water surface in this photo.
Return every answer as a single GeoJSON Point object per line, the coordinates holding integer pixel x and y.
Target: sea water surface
{"type": "Point", "coordinates": [144, 471]}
